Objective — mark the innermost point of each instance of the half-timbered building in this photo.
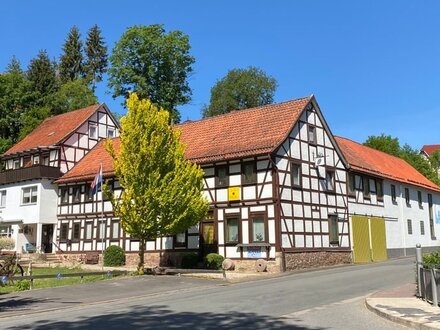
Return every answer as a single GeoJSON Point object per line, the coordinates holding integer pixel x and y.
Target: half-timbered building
{"type": "Point", "coordinates": [274, 176]}
{"type": "Point", "coordinates": [29, 199]}
{"type": "Point", "coordinates": [392, 206]}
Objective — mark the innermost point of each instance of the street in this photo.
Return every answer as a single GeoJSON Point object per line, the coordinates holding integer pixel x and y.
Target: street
{"type": "Point", "coordinates": [320, 299]}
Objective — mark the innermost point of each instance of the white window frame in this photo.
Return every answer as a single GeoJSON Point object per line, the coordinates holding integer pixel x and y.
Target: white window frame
{"type": "Point", "coordinates": [3, 193]}
{"type": "Point", "coordinates": [95, 127]}
{"type": "Point", "coordinates": [110, 129]}
{"type": "Point", "coordinates": [36, 160]}
{"type": "Point", "coordinates": [16, 162]}
{"type": "Point", "coordinates": [33, 191]}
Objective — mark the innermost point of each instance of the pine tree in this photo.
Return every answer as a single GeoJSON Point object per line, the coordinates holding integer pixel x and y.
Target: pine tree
{"type": "Point", "coordinates": [42, 76]}
{"type": "Point", "coordinates": [71, 61]}
{"type": "Point", "coordinates": [96, 56]}
{"type": "Point", "coordinates": [162, 191]}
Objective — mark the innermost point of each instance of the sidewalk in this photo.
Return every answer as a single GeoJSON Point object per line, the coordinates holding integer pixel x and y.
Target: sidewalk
{"type": "Point", "coordinates": [400, 305]}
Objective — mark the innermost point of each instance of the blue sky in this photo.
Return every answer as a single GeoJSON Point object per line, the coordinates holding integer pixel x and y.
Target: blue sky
{"type": "Point", "coordinates": [374, 66]}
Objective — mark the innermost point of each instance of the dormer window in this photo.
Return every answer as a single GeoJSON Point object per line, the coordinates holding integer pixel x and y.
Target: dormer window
{"type": "Point", "coordinates": [93, 131]}
{"type": "Point", "coordinates": [36, 160]}
{"type": "Point", "coordinates": [110, 132]}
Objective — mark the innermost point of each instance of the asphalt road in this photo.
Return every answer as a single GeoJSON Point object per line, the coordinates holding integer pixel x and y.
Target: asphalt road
{"type": "Point", "coordinates": [323, 299]}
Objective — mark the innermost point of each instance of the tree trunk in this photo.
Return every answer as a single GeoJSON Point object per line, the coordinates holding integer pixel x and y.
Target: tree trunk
{"type": "Point", "coordinates": [141, 256]}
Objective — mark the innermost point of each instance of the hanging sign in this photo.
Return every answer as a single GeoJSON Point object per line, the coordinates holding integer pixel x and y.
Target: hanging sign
{"type": "Point", "coordinates": [233, 193]}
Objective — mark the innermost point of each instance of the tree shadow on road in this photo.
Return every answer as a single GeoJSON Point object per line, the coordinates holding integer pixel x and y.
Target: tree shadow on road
{"type": "Point", "coordinates": [159, 317]}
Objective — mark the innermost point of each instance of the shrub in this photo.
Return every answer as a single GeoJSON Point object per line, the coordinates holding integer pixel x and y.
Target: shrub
{"type": "Point", "coordinates": [432, 258]}
{"type": "Point", "coordinates": [22, 285]}
{"type": "Point", "coordinates": [6, 243]}
{"type": "Point", "coordinates": [214, 261]}
{"type": "Point", "coordinates": [114, 256]}
{"type": "Point", "coordinates": [190, 260]}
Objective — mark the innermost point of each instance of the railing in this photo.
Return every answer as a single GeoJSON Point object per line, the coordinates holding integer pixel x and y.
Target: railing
{"type": "Point", "coordinates": [58, 247]}
{"type": "Point", "coordinates": [59, 276]}
{"type": "Point", "coordinates": [428, 279]}
{"type": "Point", "coordinates": [29, 173]}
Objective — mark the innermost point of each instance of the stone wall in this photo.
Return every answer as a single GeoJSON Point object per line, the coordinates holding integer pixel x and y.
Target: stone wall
{"type": "Point", "coordinates": [301, 260]}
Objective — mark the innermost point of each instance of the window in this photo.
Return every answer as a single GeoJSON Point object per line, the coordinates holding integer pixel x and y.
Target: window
{"type": "Point", "coordinates": [221, 176]}
{"type": "Point", "coordinates": [366, 187]}
{"type": "Point", "coordinates": [64, 195]}
{"type": "Point", "coordinates": [422, 228]}
{"type": "Point", "coordinates": [76, 230]}
{"type": "Point", "coordinates": [231, 230]}
{"type": "Point", "coordinates": [295, 175]}
{"type": "Point", "coordinates": [330, 180]}
{"type": "Point", "coordinates": [88, 230]}
{"type": "Point", "coordinates": [64, 231]}
{"type": "Point", "coordinates": [110, 188]}
{"type": "Point", "coordinates": [379, 190]}
{"type": "Point", "coordinates": [358, 182]}
{"type": "Point", "coordinates": [431, 217]}
{"type": "Point", "coordinates": [249, 173]}
{"type": "Point", "coordinates": [407, 196]}
{"type": "Point", "coordinates": [46, 160]}
{"type": "Point", "coordinates": [333, 229]}
{"type": "Point", "coordinates": [419, 198]}
{"type": "Point", "coordinates": [29, 195]}
{"type": "Point", "coordinates": [410, 230]}
{"type": "Point", "coordinates": [393, 194]}
{"type": "Point", "coordinates": [93, 131]}
{"type": "Point", "coordinates": [351, 184]}
{"type": "Point", "coordinates": [180, 240]}
{"type": "Point", "coordinates": [6, 231]}
{"type": "Point", "coordinates": [258, 229]}
{"type": "Point", "coordinates": [110, 132]}
{"type": "Point", "coordinates": [87, 193]}
{"type": "Point", "coordinates": [101, 231]}
{"type": "Point", "coordinates": [311, 134]}
{"type": "Point", "coordinates": [16, 164]}
{"type": "Point", "coordinates": [36, 160]}
{"type": "Point", "coordinates": [76, 194]}
{"type": "Point", "coordinates": [2, 198]}
{"type": "Point", "coordinates": [115, 229]}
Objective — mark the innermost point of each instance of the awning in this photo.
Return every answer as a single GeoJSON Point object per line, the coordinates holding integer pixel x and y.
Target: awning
{"type": "Point", "coordinates": [11, 221]}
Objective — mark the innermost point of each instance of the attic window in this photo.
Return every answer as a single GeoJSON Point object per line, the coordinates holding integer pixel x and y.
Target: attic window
{"type": "Point", "coordinates": [93, 131]}
{"type": "Point", "coordinates": [51, 133]}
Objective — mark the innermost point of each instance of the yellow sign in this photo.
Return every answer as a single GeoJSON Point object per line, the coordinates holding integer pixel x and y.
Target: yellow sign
{"type": "Point", "coordinates": [233, 193]}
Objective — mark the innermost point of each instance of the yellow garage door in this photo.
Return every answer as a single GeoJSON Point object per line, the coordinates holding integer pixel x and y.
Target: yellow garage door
{"type": "Point", "coordinates": [361, 239]}
{"type": "Point", "coordinates": [378, 239]}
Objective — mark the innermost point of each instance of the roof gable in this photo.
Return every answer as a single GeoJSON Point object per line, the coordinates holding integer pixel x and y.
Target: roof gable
{"type": "Point", "coordinates": [428, 149]}
{"type": "Point", "coordinates": [240, 133]}
{"type": "Point", "coordinates": [371, 161]}
{"type": "Point", "coordinates": [54, 130]}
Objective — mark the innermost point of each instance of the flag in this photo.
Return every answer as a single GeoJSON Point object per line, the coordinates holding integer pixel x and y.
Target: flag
{"type": "Point", "coordinates": [97, 182]}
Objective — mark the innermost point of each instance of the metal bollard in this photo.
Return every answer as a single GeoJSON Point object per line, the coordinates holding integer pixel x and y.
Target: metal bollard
{"type": "Point", "coordinates": [419, 260]}
{"type": "Point", "coordinates": [434, 288]}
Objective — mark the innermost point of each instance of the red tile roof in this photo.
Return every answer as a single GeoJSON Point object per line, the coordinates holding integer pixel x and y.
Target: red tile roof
{"type": "Point", "coordinates": [371, 161]}
{"type": "Point", "coordinates": [240, 133]}
{"type": "Point", "coordinates": [430, 148]}
{"type": "Point", "coordinates": [88, 166]}
{"type": "Point", "coordinates": [237, 134]}
{"type": "Point", "coordinates": [53, 130]}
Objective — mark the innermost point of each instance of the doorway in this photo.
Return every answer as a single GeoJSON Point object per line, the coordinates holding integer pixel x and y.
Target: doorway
{"type": "Point", "coordinates": [46, 238]}
{"type": "Point", "coordinates": [208, 242]}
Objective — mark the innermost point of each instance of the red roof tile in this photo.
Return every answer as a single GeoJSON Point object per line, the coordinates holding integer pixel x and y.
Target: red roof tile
{"type": "Point", "coordinates": [430, 148]}
{"type": "Point", "coordinates": [371, 161]}
{"type": "Point", "coordinates": [240, 133]}
{"type": "Point", "coordinates": [53, 130]}
{"type": "Point", "coordinates": [237, 134]}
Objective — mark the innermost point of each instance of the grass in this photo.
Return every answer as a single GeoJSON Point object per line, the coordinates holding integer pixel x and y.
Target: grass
{"type": "Point", "coordinates": [54, 282]}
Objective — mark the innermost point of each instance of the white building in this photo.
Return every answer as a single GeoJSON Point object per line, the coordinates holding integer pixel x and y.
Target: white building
{"type": "Point", "coordinates": [28, 203]}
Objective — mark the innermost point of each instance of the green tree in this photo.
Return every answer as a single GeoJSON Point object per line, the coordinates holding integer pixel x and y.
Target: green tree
{"type": "Point", "coordinates": [71, 96]}
{"type": "Point", "coordinates": [154, 64]}
{"type": "Point", "coordinates": [385, 143]}
{"type": "Point", "coordinates": [96, 56]}
{"type": "Point", "coordinates": [42, 75]}
{"type": "Point", "coordinates": [240, 89]}
{"type": "Point", "coordinates": [71, 61]}
{"type": "Point", "coordinates": [31, 118]}
{"type": "Point", "coordinates": [161, 190]}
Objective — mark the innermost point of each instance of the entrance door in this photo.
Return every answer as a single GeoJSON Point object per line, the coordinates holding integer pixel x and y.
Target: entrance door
{"type": "Point", "coordinates": [369, 239]}
{"type": "Point", "coordinates": [207, 239]}
{"type": "Point", "coordinates": [46, 238]}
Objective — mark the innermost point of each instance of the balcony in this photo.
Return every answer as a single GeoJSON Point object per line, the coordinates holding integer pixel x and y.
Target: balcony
{"type": "Point", "coordinates": [30, 173]}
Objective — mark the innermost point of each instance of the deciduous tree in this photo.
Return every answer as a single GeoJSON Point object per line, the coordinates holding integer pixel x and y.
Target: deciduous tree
{"type": "Point", "coordinates": [240, 89]}
{"type": "Point", "coordinates": [154, 64]}
{"type": "Point", "coordinates": [161, 190]}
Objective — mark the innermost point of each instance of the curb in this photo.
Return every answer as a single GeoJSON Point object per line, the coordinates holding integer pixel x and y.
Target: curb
{"type": "Point", "coordinates": [397, 319]}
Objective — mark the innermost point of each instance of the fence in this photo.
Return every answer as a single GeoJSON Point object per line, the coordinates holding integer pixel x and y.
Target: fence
{"type": "Point", "coordinates": [428, 279]}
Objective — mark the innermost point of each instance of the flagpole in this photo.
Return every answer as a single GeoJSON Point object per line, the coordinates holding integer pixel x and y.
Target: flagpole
{"type": "Point", "coordinates": [102, 221]}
